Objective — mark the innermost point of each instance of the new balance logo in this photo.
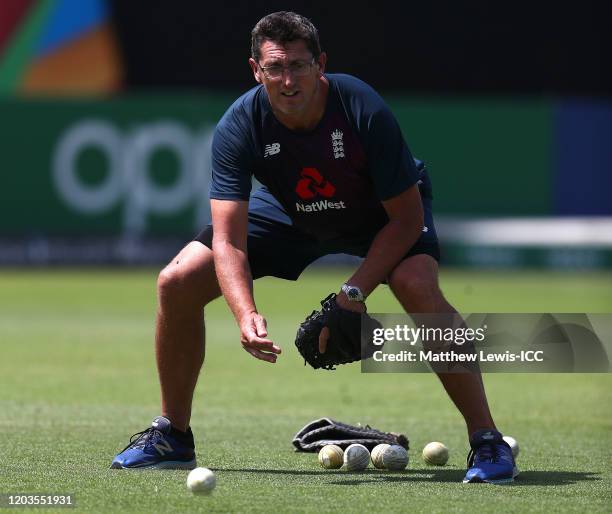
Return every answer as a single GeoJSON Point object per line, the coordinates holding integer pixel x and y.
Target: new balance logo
{"type": "Point", "coordinates": [163, 447]}
{"type": "Point", "coordinates": [272, 149]}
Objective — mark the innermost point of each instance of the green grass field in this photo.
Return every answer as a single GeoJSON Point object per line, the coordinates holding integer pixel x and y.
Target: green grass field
{"type": "Point", "coordinates": [77, 378]}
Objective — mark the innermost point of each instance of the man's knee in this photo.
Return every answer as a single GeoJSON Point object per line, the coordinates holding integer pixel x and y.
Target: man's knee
{"type": "Point", "coordinates": [410, 283]}
{"type": "Point", "coordinates": [415, 283]}
{"type": "Point", "coordinates": [189, 279]}
{"type": "Point", "coordinates": [171, 282]}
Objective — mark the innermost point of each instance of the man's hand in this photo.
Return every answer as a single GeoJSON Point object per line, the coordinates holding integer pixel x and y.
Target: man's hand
{"type": "Point", "coordinates": [343, 302]}
{"type": "Point", "coordinates": [253, 336]}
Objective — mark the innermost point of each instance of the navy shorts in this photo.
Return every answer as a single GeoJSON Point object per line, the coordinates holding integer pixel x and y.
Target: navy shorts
{"type": "Point", "coordinates": [278, 249]}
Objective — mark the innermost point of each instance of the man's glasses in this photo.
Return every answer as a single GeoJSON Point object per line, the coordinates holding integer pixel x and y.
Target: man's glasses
{"type": "Point", "coordinates": [297, 69]}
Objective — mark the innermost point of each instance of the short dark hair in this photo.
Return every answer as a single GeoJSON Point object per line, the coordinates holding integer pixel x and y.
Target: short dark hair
{"type": "Point", "coordinates": [284, 27]}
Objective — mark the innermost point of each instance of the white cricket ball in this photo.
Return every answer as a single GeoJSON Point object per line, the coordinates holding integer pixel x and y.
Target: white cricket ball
{"type": "Point", "coordinates": [201, 481]}
{"type": "Point", "coordinates": [513, 445]}
{"type": "Point", "coordinates": [377, 453]}
{"type": "Point", "coordinates": [356, 457]}
{"type": "Point", "coordinates": [395, 458]}
{"type": "Point", "coordinates": [331, 456]}
{"type": "Point", "coordinates": [435, 454]}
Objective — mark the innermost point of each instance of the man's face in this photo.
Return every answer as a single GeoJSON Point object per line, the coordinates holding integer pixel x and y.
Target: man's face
{"type": "Point", "coordinates": [294, 91]}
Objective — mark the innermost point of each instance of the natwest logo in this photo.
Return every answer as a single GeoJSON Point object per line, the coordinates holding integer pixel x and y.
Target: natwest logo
{"type": "Point", "coordinates": [321, 205]}
{"type": "Point", "coordinates": [312, 184]}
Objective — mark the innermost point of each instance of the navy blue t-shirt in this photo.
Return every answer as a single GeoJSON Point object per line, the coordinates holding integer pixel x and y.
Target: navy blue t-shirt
{"type": "Point", "coordinates": [329, 180]}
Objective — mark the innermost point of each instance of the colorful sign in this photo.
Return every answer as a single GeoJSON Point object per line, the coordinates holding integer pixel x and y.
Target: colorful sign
{"type": "Point", "coordinates": [59, 46]}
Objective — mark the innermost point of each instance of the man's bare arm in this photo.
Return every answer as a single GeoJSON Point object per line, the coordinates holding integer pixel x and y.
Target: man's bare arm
{"type": "Point", "coordinates": [393, 241]}
{"type": "Point", "coordinates": [230, 220]}
{"type": "Point", "coordinates": [230, 223]}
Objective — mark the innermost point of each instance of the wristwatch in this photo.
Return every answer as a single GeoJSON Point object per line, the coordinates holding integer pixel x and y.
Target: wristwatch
{"type": "Point", "coordinates": [353, 293]}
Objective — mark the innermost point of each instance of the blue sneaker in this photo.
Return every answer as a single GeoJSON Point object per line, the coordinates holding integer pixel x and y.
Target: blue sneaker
{"type": "Point", "coordinates": [490, 459]}
{"type": "Point", "coordinates": [155, 448]}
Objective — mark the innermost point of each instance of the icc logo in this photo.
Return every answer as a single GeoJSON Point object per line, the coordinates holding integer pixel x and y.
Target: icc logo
{"type": "Point", "coordinates": [312, 184]}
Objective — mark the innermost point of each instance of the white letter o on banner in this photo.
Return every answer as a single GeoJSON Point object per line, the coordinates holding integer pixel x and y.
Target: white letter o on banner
{"type": "Point", "coordinates": [85, 198]}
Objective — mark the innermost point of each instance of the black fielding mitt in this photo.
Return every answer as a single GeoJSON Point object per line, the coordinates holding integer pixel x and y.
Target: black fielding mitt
{"type": "Point", "coordinates": [345, 343]}
{"type": "Point", "coordinates": [321, 432]}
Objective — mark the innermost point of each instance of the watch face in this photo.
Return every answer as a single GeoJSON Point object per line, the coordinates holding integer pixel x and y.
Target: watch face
{"type": "Point", "coordinates": [353, 293]}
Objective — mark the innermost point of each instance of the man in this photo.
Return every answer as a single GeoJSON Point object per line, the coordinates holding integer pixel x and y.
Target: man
{"type": "Point", "coordinates": [337, 178]}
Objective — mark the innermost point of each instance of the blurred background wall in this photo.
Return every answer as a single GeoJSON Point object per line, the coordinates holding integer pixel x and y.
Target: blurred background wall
{"type": "Point", "coordinates": [107, 109]}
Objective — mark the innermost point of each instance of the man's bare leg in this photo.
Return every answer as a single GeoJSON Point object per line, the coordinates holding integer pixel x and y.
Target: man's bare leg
{"type": "Point", "coordinates": [184, 287]}
{"type": "Point", "coordinates": [415, 284]}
